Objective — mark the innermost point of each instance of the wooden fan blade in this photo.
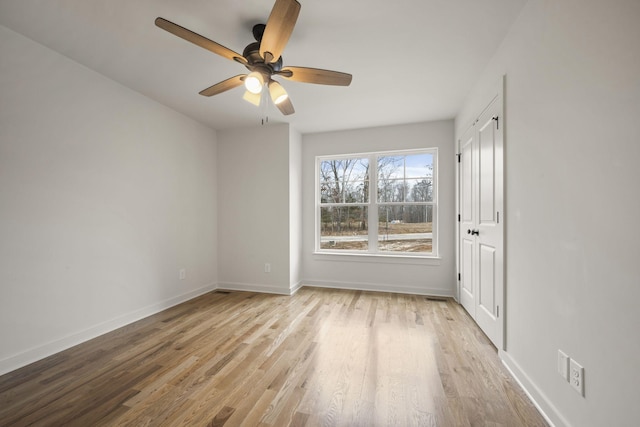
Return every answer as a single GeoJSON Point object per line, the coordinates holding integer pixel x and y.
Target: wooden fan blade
{"type": "Point", "coordinates": [286, 107]}
{"type": "Point", "coordinates": [279, 27]}
{"type": "Point", "coordinates": [199, 40]}
{"type": "Point", "coordinates": [316, 75]}
{"type": "Point", "coordinates": [224, 85]}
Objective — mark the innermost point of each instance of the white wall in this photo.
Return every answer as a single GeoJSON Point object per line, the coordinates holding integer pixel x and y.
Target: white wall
{"type": "Point", "coordinates": [253, 209]}
{"type": "Point", "coordinates": [104, 196]}
{"type": "Point", "coordinates": [572, 203]}
{"type": "Point", "coordinates": [380, 273]}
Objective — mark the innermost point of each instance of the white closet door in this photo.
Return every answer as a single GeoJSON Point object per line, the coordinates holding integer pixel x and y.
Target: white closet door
{"type": "Point", "coordinates": [481, 243]}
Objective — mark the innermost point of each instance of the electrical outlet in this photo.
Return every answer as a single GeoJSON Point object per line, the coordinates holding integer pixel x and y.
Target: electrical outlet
{"type": "Point", "coordinates": [576, 376]}
{"type": "Point", "coordinates": [182, 273]}
{"type": "Point", "coordinates": [267, 267]}
{"type": "Point", "coordinates": [563, 365]}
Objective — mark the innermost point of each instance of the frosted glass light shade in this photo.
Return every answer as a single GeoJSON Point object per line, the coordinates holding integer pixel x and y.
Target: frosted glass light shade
{"type": "Point", "coordinates": [254, 82]}
{"type": "Point", "coordinates": [277, 92]}
{"type": "Point", "coordinates": [253, 98]}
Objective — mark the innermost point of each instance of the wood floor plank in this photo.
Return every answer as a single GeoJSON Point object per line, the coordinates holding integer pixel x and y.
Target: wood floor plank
{"type": "Point", "coordinates": [321, 357]}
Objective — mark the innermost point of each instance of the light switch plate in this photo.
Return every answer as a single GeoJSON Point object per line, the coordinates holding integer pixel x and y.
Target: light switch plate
{"type": "Point", "coordinates": [563, 365]}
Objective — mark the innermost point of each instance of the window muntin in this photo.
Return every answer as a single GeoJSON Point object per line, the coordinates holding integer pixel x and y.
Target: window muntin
{"type": "Point", "coordinates": [404, 206]}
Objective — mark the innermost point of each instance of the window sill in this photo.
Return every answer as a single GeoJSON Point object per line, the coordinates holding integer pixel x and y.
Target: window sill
{"type": "Point", "coordinates": [377, 258]}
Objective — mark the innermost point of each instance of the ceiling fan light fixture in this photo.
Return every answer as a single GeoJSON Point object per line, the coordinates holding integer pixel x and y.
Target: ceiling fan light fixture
{"type": "Point", "coordinates": [277, 92]}
{"type": "Point", "coordinates": [254, 82]}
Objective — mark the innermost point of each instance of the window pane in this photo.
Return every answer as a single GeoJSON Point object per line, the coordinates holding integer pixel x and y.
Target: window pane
{"type": "Point", "coordinates": [399, 175]}
{"type": "Point", "coordinates": [344, 180]}
{"type": "Point", "coordinates": [344, 227]}
{"type": "Point", "coordinates": [419, 166]}
{"type": "Point", "coordinates": [390, 167]}
{"type": "Point", "coordinates": [392, 190]}
{"type": "Point", "coordinates": [390, 175]}
{"type": "Point", "coordinates": [391, 186]}
{"type": "Point", "coordinates": [420, 190]}
{"type": "Point", "coordinates": [355, 191]}
{"type": "Point", "coordinates": [405, 228]}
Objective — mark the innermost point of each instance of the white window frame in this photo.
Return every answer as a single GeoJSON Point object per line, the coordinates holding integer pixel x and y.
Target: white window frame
{"type": "Point", "coordinates": [373, 205]}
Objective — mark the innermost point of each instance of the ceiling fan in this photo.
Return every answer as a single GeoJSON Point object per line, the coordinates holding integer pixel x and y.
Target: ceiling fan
{"type": "Point", "coordinates": [263, 58]}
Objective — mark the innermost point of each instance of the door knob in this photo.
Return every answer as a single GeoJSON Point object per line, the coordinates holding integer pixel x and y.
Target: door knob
{"type": "Point", "coordinates": [475, 233]}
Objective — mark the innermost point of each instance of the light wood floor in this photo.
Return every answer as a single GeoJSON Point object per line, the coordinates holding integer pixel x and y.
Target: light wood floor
{"type": "Point", "coordinates": [322, 357]}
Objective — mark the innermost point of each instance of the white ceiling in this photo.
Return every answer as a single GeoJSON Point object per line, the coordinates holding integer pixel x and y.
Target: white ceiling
{"type": "Point", "coordinates": [411, 60]}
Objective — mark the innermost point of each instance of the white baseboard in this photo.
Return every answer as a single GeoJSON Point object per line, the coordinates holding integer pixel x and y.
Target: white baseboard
{"type": "Point", "coordinates": [376, 287]}
{"type": "Point", "coordinates": [295, 288]}
{"type": "Point", "coordinates": [544, 405]}
{"type": "Point", "coordinates": [24, 358]}
{"type": "Point", "coordinates": [255, 287]}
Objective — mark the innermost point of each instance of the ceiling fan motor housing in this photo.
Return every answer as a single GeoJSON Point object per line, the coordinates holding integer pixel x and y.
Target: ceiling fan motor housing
{"type": "Point", "coordinates": [255, 62]}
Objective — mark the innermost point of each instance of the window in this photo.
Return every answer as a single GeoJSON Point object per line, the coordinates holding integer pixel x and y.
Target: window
{"type": "Point", "coordinates": [394, 190]}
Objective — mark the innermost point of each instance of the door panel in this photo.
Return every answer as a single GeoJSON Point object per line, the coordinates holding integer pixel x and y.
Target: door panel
{"type": "Point", "coordinates": [486, 153]}
{"type": "Point", "coordinates": [487, 268]}
{"type": "Point", "coordinates": [466, 190]}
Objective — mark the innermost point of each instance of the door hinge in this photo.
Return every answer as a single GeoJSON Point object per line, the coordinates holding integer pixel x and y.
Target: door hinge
{"type": "Point", "coordinates": [497, 119]}
{"type": "Point", "coordinates": [459, 277]}
{"type": "Point", "coordinates": [458, 217]}
{"type": "Point", "coordinates": [498, 217]}
{"type": "Point", "coordinates": [459, 155]}
{"type": "Point", "coordinates": [497, 311]}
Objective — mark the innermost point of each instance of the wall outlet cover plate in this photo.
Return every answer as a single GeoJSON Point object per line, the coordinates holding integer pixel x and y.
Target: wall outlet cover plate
{"type": "Point", "coordinates": [576, 377]}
